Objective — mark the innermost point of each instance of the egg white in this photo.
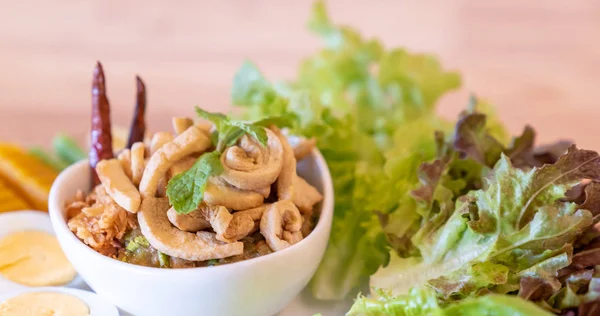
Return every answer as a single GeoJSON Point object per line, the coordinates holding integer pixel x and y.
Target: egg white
{"type": "Point", "coordinates": [13, 222]}
{"type": "Point", "coordinates": [98, 306]}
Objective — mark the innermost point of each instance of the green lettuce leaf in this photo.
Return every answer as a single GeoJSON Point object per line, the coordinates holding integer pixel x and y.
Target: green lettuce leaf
{"type": "Point", "coordinates": [423, 302]}
{"type": "Point", "coordinates": [518, 226]}
{"type": "Point", "coordinates": [494, 304]}
{"type": "Point", "coordinates": [417, 302]}
{"type": "Point", "coordinates": [495, 127]}
{"type": "Point", "coordinates": [473, 139]}
{"type": "Point", "coordinates": [364, 104]}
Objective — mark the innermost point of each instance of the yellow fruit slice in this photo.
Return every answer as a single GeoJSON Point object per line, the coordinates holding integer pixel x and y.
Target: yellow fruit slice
{"type": "Point", "coordinates": [27, 175]}
{"type": "Point", "coordinates": [10, 200]}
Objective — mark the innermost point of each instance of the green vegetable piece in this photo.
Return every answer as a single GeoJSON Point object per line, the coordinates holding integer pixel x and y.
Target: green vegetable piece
{"type": "Point", "coordinates": [212, 262]}
{"type": "Point", "coordinates": [164, 260]}
{"type": "Point", "coordinates": [44, 156]}
{"type": "Point", "coordinates": [216, 118]}
{"type": "Point", "coordinates": [67, 149]}
{"type": "Point", "coordinates": [257, 132]}
{"type": "Point", "coordinates": [142, 241]}
{"type": "Point", "coordinates": [228, 131]}
{"type": "Point", "coordinates": [132, 246]}
{"type": "Point", "coordinates": [186, 190]}
{"type": "Point", "coordinates": [137, 242]}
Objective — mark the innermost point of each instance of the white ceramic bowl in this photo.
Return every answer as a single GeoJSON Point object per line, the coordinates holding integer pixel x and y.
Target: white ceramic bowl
{"type": "Point", "coordinates": [261, 286]}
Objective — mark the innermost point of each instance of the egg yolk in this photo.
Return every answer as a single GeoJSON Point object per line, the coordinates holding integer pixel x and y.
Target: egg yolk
{"type": "Point", "coordinates": [44, 304]}
{"type": "Point", "coordinates": [34, 258]}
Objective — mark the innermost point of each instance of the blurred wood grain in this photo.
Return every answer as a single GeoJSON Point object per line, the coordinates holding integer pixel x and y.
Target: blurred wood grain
{"type": "Point", "coordinates": [537, 61]}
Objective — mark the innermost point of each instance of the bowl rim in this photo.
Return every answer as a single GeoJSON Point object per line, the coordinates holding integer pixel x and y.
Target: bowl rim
{"type": "Point", "coordinates": [59, 223]}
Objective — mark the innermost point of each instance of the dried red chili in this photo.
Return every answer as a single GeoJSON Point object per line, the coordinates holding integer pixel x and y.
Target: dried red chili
{"type": "Point", "coordinates": [101, 137]}
{"type": "Point", "coordinates": [138, 125]}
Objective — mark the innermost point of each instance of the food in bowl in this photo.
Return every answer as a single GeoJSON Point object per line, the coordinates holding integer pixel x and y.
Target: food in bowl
{"type": "Point", "coordinates": [214, 192]}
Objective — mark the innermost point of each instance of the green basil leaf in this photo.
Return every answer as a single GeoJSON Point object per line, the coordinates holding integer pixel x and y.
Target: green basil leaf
{"type": "Point", "coordinates": [186, 190]}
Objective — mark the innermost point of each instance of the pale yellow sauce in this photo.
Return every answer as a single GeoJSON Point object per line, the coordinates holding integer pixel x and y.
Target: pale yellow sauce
{"type": "Point", "coordinates": [34, 258]}
{"type": "Point", "coordinates": [44, 304]}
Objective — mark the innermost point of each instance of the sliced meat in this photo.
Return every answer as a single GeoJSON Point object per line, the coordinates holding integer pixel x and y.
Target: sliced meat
{"type": "Point", "coordinates": [155, 226]}
{"type": "Point", "coordinates": [228, 228]}
{"type": "Point", "coordinates": [308, 225]}
{"type": "Point", "coordinates": [218, 192]}
{"type": "Point", "coordinates": [280, 225]}
{"type": "Point", "coordinates": [255, 214]}
{"type": "Point", "coordinates": [125, 160]}
{"type": "Point", "coordinates": [191, 141]}
{"type": "Point", "coordinates": [241, 225]}
{"type": "Point", "coordinates": [137, 162]}
{"type": "Point", "coordinates": [249, 165]}
{"type": "Point", "coordinates": [181, 166]}
{"type": "Point", "coordinates": [191, 222]}
{"type": "Point", "coordinates": [158, 140]}
{"type": "Point", "coordinates": [117, 185]}
{"type": "Point", "coordinates": [265, 192]}
{"type": "Point", "coordinates": [218, 217]}
{"type": "Point", "coordinates": [292, 237]}
{"type": "Point", "coordinates": [305, 196]}
{"type": "Point", "coordinates": [181, 124]}
{"type": "Point", "coordinates": [301, 146]}
{"type": "Point", "coordinates": [285, 181]}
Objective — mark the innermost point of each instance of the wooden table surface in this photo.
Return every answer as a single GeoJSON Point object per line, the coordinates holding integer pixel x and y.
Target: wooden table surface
{"type": "Point", "coordinates": [538, 61]}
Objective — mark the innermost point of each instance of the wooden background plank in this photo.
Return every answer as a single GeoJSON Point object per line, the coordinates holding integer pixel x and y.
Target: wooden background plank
{"type": "Point", "coordinates": [538, 61]}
